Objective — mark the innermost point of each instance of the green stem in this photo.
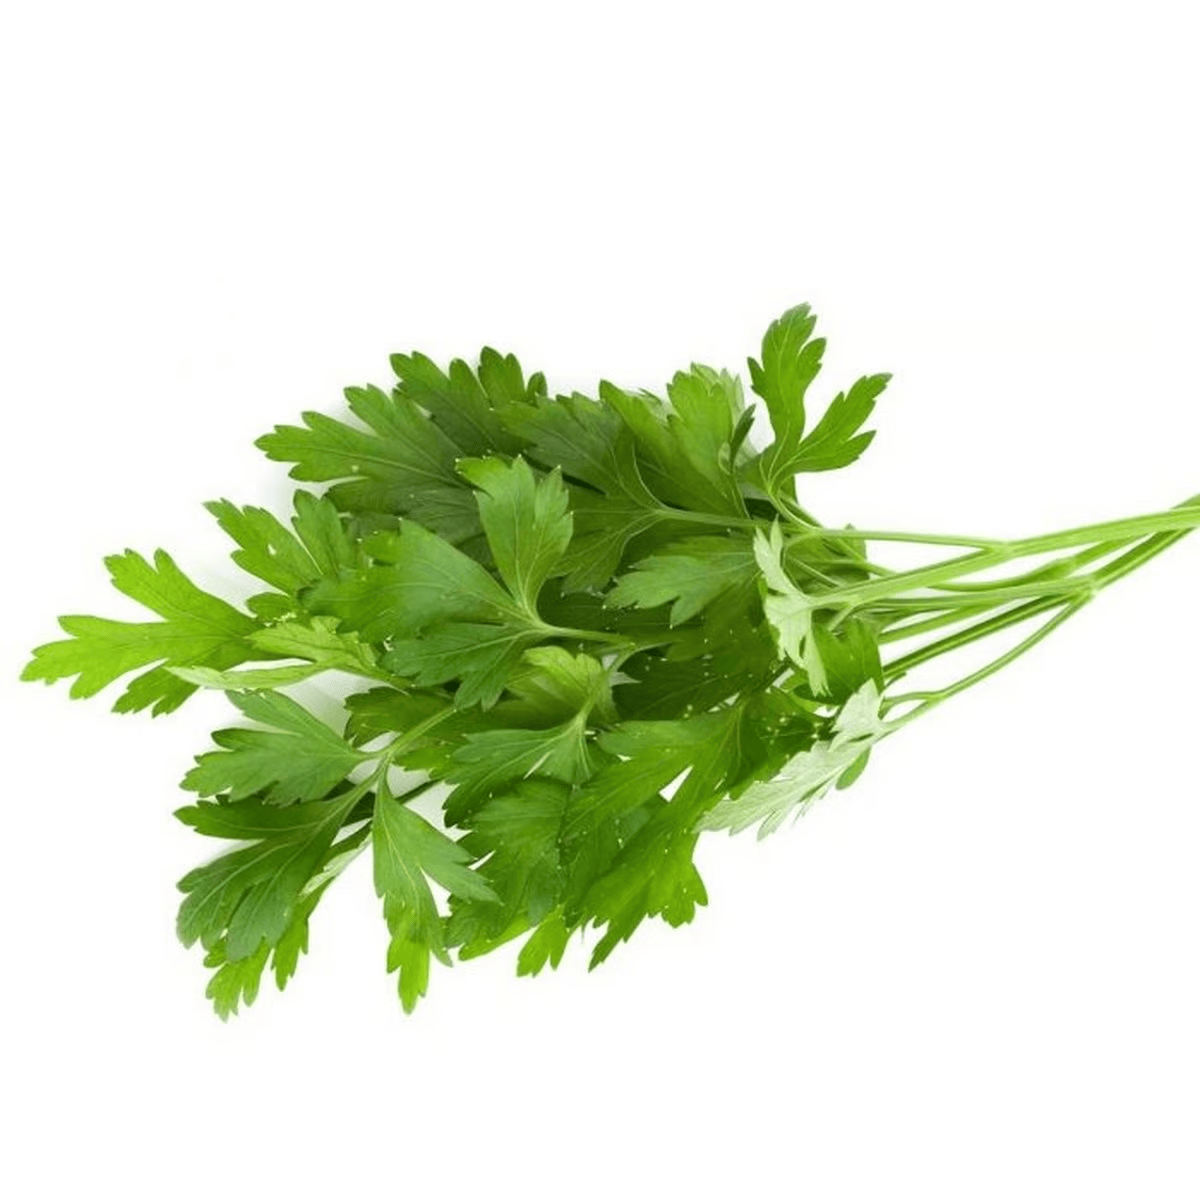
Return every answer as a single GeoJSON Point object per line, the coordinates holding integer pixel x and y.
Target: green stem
{"type": "Point", "coordinates": [974, 599]}
{"type": "Point", "coordinates": [964, 637]}
{"type": "Point", "coordinates": [894, 535]}
{"type": "Point", "coordinates": [584, 635]}
{"type": "Point", "coordinates": [388, 753]}
{"type": "Point", "coordinates": [1133, 558]}
{"type": "Point", "coordinates": [702, 518]}
{"type": "Point", "coordinates": [993, 596]}
{"type": "Point", "coordinates": [1059, 568]}
{"type": "Point", "coordinates": [932, 699]}
{"type": "Point", "coordinates": [1055, 581]}
{"type": "Point", "coordinates": [1182, 519]}
{"type": "Point", "coordinates": [898, 633]}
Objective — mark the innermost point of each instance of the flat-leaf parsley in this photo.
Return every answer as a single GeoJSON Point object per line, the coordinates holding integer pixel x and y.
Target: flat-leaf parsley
{"type": "Point", "coordinates": [596, 627]}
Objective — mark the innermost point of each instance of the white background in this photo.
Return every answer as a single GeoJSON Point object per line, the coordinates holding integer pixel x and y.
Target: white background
{"type": "Point", "coordinates": [973, 975]}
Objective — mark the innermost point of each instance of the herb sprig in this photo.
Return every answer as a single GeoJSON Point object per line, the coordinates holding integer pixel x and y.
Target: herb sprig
{"type": "Point", "coordinates": [598, 627]}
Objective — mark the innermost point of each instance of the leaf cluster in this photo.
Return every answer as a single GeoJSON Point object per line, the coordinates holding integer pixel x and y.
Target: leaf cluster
{"type": "Point", "coordinates": [590, 627]}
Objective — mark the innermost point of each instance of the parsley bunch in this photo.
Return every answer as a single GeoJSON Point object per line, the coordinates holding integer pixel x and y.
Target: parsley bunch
{"type": "Point", "coordinates": [595, 627]}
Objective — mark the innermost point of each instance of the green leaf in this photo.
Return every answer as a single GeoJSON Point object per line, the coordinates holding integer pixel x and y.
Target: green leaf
{"type": "Point", "coordinates": [298, 758]}
{"type": "Point", "coordinates": [285, 957]}
{"type": "Point", "coordinates": [526, 522]}
{"type": "Point", "coordinates": [653, 876]}
{"type": "Point", "coordinates": [790, 611]}
{"type": "Point", "coordinates": [427, 581]}
{"type": "Point", "coordinates": [790, 361]}
{"type": "Point", "coordinates": [236, 982]}
{"type": "Point", "coordinates": [685, 455]}
{"type": "Point", "coordinates": [408, 851]}
{"type": "Point", "coordinates": [546, 945]}
{"type": "Point", "coordinates": [254, 818]}
{"type": "Point", "coordinates": [161, 690]}
{"type": "Point", "coordinates": [195, 629]}
{"type": "Point", "coordinates": [647, 755]}
{"type": "Point", "coordinates": [268, 549]}
{"type": "Point", "coordinates": [504, 382]}
{"type": "Point", "coordinates": [732, 658]}
{"type": "Point", "coordinates": [850, 656]}
{"type": "Point", "coordinates": [586, 441]}
{"type": "Point", "coordinates": [250, 895]}
{"type": "Point", "coordinates": [652, 873]}
{"type": "Point", "coordinates": [707, 405]}
{"type": "Point", "coordinates": [688, 575]}
{"type": "Point", "coordinates": [518, 833]}
{"type": "Point", "coordinates": [605, 529]}
{"type": "Point", "coordinates": [810, 774]}
{"type": "Point", "coordinates": [389, 710]}
{"type": "Point", "coordinates": [557, 684]}
{"type": "Point", "coordinates": [321, 642]}
{"type": "Point", "coordinates": [464, 406]}
{"type": "Point", "coordinates": [288, 559]}
{"type": "Point", "coordinates": [480, 657]}
{"type": "Point", "coordinates": [836, 442]}
{"type": "Point", "coordinates": [405, 462]}
{"type": "Point", "coordinates": [489, 761]}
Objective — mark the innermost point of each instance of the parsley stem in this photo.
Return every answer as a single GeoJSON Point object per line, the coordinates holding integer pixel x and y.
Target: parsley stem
{"type": "Point", "coordinates": [977, 598]}
{"type": "Point", "coordinates": [725, 521]}
{"type": "Point", "coordinates": [934, 698]}
{"type": "Point", "coordinates": [584, 635]}
{"type": "Point", "coordinates": [388, 753]}
{"type": "Point", "coordinates": [1059, 567]}
{"type": "Point", "coordinates": [964, 637]}
{"type": "Point", "coordinates": [897, 633]}
{"type": "Point", "coordinates": [924, 539]}
{"type": "Point", "coordinates": [999, 594]}
{"type": "Point", "coordinates": [1133, 558]}
{"type": "Point", "coordinates": [948, 608]}
{"type": "Point", "coordinates": [1182, 519]}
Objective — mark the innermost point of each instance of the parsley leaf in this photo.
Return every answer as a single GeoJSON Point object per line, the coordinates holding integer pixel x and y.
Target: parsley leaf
{"type": "Point", "coordinates": [811, 773]}
{"type": "Point", "coordinates": [421, 580]}
{"type": "Point", "coordinates": [408, 852]}
{"type": "Point", "coordinates": [317, 546]}
{"type": "Point", "coordinates": [526, 522]}
{"type": "Point", "coordinates": [706, 406]}
{"type": "Point", "coordinates": [403, 463]}
{"type": "Point", "coordinates": [688, 575]}
{"type": "Point", "coordinates": [790, 611]}
{"type": "Point", "coordinates": [791, 360]}
{"type": "Point", "coordinates": [489, 760]}
{"type": "Point", "coordinates": [588, 442]}
{"type": "Point", "coordinates": [480, 657]}
{"type": "Point", "coordinates": [298, 757]}
{"type": "Point", "coordinates": [197, 629]}
{"type": "Point", "coordinates": [249, 896]}
{"type": "Point", "coordinates": [517, 833]}
{"type": "Point", "coordinates": [836, 442]}
{"type": "Point", "coordinates": [557, 683]}
{"type": "Point", "coordinates": [469, 408]}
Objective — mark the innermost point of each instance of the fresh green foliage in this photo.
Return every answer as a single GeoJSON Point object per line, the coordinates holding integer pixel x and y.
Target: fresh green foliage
{"type": "Point", "coordinates": [408, 853]}
{"type": "Point", "coordinates": [297, 758]}
{"type": "Point", "coordinates": [595, 627]}
{"type": "Point", "coordinates": [196, 630]}
{"type": "Point", "coordinates": [688, 574]}
{"type": "Point", "coordinates": [811, 773]}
